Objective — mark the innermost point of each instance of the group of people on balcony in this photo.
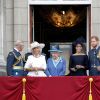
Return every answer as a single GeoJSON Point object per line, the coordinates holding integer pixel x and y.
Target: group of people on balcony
{"type": "Point", "coordinates": [37, 66]}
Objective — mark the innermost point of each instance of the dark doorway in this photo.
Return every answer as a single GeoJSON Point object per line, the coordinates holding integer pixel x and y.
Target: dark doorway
{"type": "Point", "coordinates": [46, 32]}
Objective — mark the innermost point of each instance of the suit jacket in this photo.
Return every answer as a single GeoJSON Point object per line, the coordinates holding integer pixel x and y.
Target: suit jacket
{"type": "Point", "coordinates": [58, 70]}
{"type": "Point", "coordinates": [93, 59]}
{"type": "Point", "coordinates": [14, 58]}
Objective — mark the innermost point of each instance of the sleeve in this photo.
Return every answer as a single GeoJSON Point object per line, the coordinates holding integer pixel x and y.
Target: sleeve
{"type": "Point", "coordinates": [28, 63]}
{"type": "Point", "coordinates": [25, 58]}
{"type": "Point", "coordinates": [86, 62]}
{"type": "Point", "coordinates": [70, 63]}
{"type": "Point", "coordinates": [98, 58]}
{"type": "Point", "coordinates": [62, 73]}
{"type": "Point", "coordinates": [47, 69]}
{"type": "Point", "coordinates": [44, 63]}
{"type": "Point", "coordinates": [10, 62]}
{"type": "Point", "coordinates": [89, 62]}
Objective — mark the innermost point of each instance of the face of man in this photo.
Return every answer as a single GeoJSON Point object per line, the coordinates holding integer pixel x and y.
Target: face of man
{"type": "Point", "coordinates": [21, 47]}
{"type": "Point", "coordinates": [94, 43]}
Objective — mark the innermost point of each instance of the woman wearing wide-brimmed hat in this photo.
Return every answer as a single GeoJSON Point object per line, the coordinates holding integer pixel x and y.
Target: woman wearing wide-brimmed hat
{"type": "Point", "coordinates": [56, 65]}
{"type": "Point", "coordinates": [36, 63]}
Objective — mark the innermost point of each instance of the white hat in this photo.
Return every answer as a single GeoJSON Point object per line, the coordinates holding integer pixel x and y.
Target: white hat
{"type": "Point", "coordinates": [36, 44]}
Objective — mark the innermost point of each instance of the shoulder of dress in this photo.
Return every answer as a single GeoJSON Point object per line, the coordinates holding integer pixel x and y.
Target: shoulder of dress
{"type": "Point", "coordinates": [42, 56]}
{"type": "Point", "coordinates": [71, 55]}
{"type": "Point", "coordinates": [86, 56]}
{"type": "Point", "coordinates": [74, 55]}
{"type": "Point", "coordinates": [49, 59]}
{"type": "Point", "coordinates": [79, 54]}
{"type": "Point", "coordinates": [30, 56]}
{"type": "Point", "coordinates": [63, 59]}
{"type": "Point", "coordinates": [83, 54]}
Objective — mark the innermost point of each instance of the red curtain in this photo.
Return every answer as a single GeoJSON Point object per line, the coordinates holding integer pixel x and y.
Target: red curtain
{"type": "Point", "coordinates": [49, 88]}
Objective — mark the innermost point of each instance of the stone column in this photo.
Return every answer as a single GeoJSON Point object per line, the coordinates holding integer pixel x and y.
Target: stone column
{"type": "Point", "coordinates": [9, 24]}
{"type": "Point", "coordinates": [2, 37]}
{"type": "Point", "coordinates": [96, 17]}
{"type": "Point", "coordinates": [21, 22]}
{"type": "Point", "coordinates": [2, 61]}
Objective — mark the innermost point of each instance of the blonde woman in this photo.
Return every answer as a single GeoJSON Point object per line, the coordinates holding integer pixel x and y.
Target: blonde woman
{"type": "Point", "coordinates": [36, 63]}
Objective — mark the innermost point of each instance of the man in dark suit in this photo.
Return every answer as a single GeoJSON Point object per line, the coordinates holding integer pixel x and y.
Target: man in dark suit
{"type": "Point", "coordinates": [15, 60]}
{"type": "Point", "coordinates": [94, 57]}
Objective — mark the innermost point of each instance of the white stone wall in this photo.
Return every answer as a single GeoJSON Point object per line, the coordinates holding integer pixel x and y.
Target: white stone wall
{"type": "Point", "coordinates": [96, 17]}
{"type": "Point", "coordinates": [16, 23]}
{"type": "Point", "coordinates": [21, 21]}
{"type": "Point", "coordinates": [2, 32]}
{"type": "Point", "coordinates": [9, 26]}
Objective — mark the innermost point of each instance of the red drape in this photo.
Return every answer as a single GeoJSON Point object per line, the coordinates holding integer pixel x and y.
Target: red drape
{"type": "Point", "coordinates": [49, 88]}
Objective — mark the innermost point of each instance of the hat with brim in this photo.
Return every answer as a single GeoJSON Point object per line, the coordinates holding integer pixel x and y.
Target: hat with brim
{"type": "Point", "coordinates": [55, 48]}
{"type": "Point", "coordinates": [36, 44]}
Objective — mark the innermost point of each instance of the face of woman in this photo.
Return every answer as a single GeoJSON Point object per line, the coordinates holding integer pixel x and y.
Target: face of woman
{"type": "Point", "coordinates": [36, 51]}
{"type": "Point", "coordinates": [55, 55]}
{"type": "Point", "coordinates": [78, 48]}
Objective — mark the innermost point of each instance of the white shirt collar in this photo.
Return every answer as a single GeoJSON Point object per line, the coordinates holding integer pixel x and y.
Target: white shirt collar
{"type": "Point", "coordinates": [96, 47]}
{"type": "Point", "coordinates": [56, 63]}
{"type": "Point", "coordinates": [16, 49]}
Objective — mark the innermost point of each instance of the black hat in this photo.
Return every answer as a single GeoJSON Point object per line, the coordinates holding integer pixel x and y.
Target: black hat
{"type": "Point", "coordinates": [80, 41]}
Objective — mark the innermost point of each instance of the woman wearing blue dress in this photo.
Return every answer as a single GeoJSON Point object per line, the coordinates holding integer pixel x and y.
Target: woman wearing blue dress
{"type": "Point", "coordinates": [78, 63]}
{"type": "Point", "coordinates": [56, 65]}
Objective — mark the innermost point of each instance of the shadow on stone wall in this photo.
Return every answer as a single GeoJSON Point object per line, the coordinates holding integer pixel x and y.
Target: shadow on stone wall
{"type": "Point", "coordinates": [3, 71]}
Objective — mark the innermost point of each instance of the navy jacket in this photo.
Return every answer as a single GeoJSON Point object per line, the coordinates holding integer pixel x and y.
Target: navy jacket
{"type": "Point", "coordinates": [94, 61]}
{"type": "Point", "coordinates": [14, 58]}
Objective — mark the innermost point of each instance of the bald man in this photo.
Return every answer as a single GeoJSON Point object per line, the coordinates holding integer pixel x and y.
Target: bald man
{"type": "Point", "coordinates": [15, 60]}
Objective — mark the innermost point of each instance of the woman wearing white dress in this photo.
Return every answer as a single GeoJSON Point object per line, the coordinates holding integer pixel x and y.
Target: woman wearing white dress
{"type": "Point", "coordinates": [36, 63]}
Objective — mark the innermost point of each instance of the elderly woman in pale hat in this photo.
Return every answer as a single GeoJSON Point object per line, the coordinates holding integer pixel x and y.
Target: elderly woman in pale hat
{"type": "Point", "coordinates": [36, 64]}
{"type": "Point", "coordinates": [56, 65]}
